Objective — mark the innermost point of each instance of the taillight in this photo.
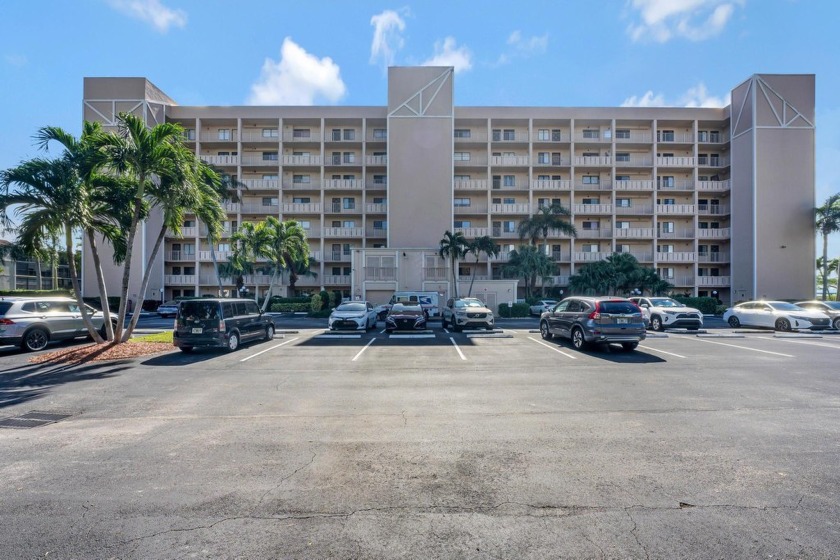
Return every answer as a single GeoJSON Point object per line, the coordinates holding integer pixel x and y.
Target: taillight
{"type": "Point", "coordinates": [6, 322]}
{"type": "Point", "coordinates": [597, 313]}
{"type": "Point", "coordinates": [221, 325]}
{"type": "Point", "coordinates": [175, 326]}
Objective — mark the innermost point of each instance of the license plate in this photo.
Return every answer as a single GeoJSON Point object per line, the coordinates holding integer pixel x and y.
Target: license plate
{"type": "Point", "coordinates": [197, 331]}
{"type": "Point", "coordinates": [622, 321]}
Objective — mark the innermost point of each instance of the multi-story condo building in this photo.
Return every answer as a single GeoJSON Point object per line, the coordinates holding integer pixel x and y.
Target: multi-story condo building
{"type": "Point", "coordinates": [719, 200]}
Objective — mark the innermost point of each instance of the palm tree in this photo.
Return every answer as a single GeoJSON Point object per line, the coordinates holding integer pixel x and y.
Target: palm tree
{"type": "Point", "coordinates": [228, 189]}
{"type": "Point", "coordinates": [453, 246]}
{"type": "Point", "coordinates": [828, 222]}
{"type": "Point", "coordinates": [483, 244]}
{"type": "Point", "coordinates": [298, 268]}
{"type": "Point", "coordinates": [284, 243]}
{"type": "Point", "coordinates": [529, 263]}
{"type": "Point", "coordinates": [546, 219]}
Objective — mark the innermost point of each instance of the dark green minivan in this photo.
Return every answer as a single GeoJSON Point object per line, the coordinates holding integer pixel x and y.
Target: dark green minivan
{"type": "Point", "coordinates": [220, 323]}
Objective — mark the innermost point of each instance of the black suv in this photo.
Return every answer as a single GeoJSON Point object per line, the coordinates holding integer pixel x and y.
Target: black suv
{"type": "Point", "coordinates": [220, 323]}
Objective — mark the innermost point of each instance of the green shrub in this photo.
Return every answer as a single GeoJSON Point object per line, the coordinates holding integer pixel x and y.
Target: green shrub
{"type": "Point", "coordinates": [325, 300]}
{"type": "Point", "coordinates": [706, 305]}
{"type": "Point", "coordinates": [315, 303]}
{"type": "Point", "coordinates": [721, 309]}
{"type": "Point", "coordinates": [290, 307]}
{"type": "Point", "coordinates": [280, 299]}
{"type": "Point", "coordinates": [517, 310]}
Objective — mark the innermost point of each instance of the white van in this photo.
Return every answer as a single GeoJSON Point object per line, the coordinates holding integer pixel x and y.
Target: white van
{"type": "Point", "coordinates": [429, 301]}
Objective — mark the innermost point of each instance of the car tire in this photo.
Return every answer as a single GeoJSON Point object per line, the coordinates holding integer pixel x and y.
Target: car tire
{"type": "Point", "coordinates": [544, 332]}
{"type": "Point", "coordinates": [656, 323]}
{"type": "Point", "coordinates": [186, 349]}
{"type": "Point", "coordinates": [836, 324]}
{"type": "Point", "coordinates": [578, 340]}
{"type": "Point", "coordinates": [269, 332]}
{"type": "Point", "coordinates": [734, 322]}
{"type": "Point", "coordinates": [783, 325]}
{"type": "Point", "coordinates": [35, 339]}
{"type": "Point", "coordinates": [629, 346]}
{"type": "Point", "coordinates": [233, 342]}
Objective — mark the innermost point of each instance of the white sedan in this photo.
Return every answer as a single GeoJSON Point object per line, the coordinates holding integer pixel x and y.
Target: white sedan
{"type": "Point", "coordinates": [779, 315]}
{"type": "Point", "coordinates": [542, 306]}
{"type": "Point", "coordinates": [356, 315]}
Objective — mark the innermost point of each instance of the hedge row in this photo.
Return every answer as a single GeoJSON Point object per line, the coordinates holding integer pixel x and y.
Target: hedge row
{"type": "Point", "coordinates": [288, 307]}
{"type": "Point", "coordinates": [516, 310]}
{"type": "Point", "coordinates": [706, 305]}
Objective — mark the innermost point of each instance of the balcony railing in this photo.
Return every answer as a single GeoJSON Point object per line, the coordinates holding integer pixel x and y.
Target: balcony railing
{"type": "Point", "coordinates": [636, 136]}
{"type": "Point", "coordinates": [257, 160]}
{"type": "Point", "coordinates": [605, 185]}
{"type": "Point", "coordinates": [185, 233]}
{"type": "Point", "coordinates": [634, 161]}
{"type": "Point", "coordinates": [594, 138]}
{"type": "Point", "coordinates": [675, 209]}
{"type": "Point", "coordinates": [592, 208]}
{"type": "Point", "coordinates": [510, 208]}
{"type": "Point", "coordinates": [342, 184]}
{"type": "Point", "coordinates": [713, 209]}
{"type": "Point", "coordinates": [179, 279]}
{"type": "Point", "coordinates": [179, 256]}
{"type": "Point", "coordinates": [636, 185]}
{"type": "Point", "coordinates": [338, 208]}
{"type": "Point", "coordinates": [600, 233]}
{"type": "Point", "coordinates": [586, 256]}
{"type": "Point", "coordinates": [682, 161]}
{"type": "Point", "coordinates": [301, 208]}
{"type": "Point", "coordinates": [300, 186]}
{"type": "Point", "coordinates": [710, 161]}
{"type": "Point", "coordinates": [435, 273]}
{"type": "Point", "coordinates": [476, 160]}
{"type": "Point", "coordinates": [675, 138]}
{"type": "Point", "coordinates": [712, 257]}
{"type": "Point", "coordinates": [634, 233]}
{"type": "Point", "coordinates": [376, 160]}
{"type": "Point", "coordinates": [301, 160]}
{"type": "Point", "coordinates": [634, 209]}
{"type": "Point", "coordinates": [313, 136]}
{"type": "Point", "coordinates": [719, 233]}
{"type": "Point", "coordinates": [678, 233]}
{"type": "Point", "coordinates": [680, 281]}
{"type": "Point", "coordinates": [220, 256]}
{"type": "Point", "coordinates": [337, 280]}
{"type": "Point", "coordinates": [472, 184]}
{"type": "Point", "coordinates": [472, 233]}
{"type": "Point", "coordinates": [376, 185]}
{"type": "Point", "coordinates": [344, 232]}
{"type": "Point", "coordinates": [261, 184]}
{"type": "Point", "coordinates": [231, 136]}
{"type": "Point", "coordinates": [380, 273]}
{"type": "Point", "coordinates": [376, 208]}
{"type": "Point", "coordinates": [256, 135]}
{"type": "Point", "coordinates": [220, 160]}
{"type": "Point", "coordinates": [714, 185]}
{"type": "Point", "coordinates": [682, 185]}
{"type": "Point", "coordinates": [378, 233]}
{"type": "Point", "coordinates": [552, 185]}
{"type": "Point", "coordinates": [497, 232]}
{"type": "Point", "coordinates": [248, 208]}
{"type": "Point", "coordinates": [509, 161]}
{"type": "Point", "coordinates": [683, 257]}
{"type": "Point", "coordinates": [713, 281]}
{"type": "Point", "coordinates": [595, 161]}
{"type": "Point", "coordinates": [257, 279]}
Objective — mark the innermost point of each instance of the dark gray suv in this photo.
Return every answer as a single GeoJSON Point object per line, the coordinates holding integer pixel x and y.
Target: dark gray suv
{"type": "Point", "coordinates": [220, 323]}
{"type": "Point", "coordinates": [595, 320]}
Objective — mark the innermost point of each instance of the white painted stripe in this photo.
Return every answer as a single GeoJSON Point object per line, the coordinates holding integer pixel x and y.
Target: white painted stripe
{"type": "Point", "coordinates": [744, 348]}
{"type": "Point", "coordinates": [383, 331]}
{"type": "Point", "coordinates": [661, 351]}
{"type": "Point", "coordinates": [446, 330]}
{"type": "Point", "coordinates": [339, 336]}
{"type": "Point", "coordinates": [267, 349]}
{"type": "Point", "coordinates": [356, 357]}
{"type": "Point", "coordinates": [452, 340]}
{"type": "Point", "coordinates": [823, 344]}
{"type": "Point", "coordinates": [508, 330]}
{"type": "Point", "coordinates": [550, 347]}
{"type": "Point", "coordinates": [411, 336]}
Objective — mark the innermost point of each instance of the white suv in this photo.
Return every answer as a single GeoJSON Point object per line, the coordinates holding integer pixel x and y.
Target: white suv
{"type": "Point", "coordinates": [33, 322]}
{"type": "Point", "coordinates": [666, 313]}
{"type": "Point", "coordinates": [467, 312]}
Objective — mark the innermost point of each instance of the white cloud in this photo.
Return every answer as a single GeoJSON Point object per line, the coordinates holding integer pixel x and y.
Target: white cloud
{"type": "Point", "coordinates": [387, 37]}
{"type": "Point", "coordinates": [523, 47]}
{"type": "Point", "coordinates": [299, 78]}
{"type": "Point", "coordinates": [18, 60]}
{"type": "Point", "coordinates": [695, 20]}
{"type": "Point", "coordinates": [151, 11]}
{"type": "Point", "coordinates": [447, 53]}
{"type": "Point", "coordinates": [696, 96]}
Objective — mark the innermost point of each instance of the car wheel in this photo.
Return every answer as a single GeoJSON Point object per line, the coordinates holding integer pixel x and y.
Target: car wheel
{"type": "Point", "coordinates": [734, 322]}
{"type": "Point", "coordinates": [783, 325]}
{"type": "Point", "coordinates": [578, 341]}
{"type": "Point", "coordinates": [233, 342]}
{"type": "Point", "coordinates": [836, 323]}
{"type": "Point", "coordinates": [629, 346]}
{"type": "Point", "coordinates": [656, 323]}
{"type": "Point", "coordinates": [544, 332]}
{"type": "Point", "coordinates": [186, 349]}
{"type": "Point", "coordinates": [36, 339]}
{"type": "Point", "coordinates": [269, 332]}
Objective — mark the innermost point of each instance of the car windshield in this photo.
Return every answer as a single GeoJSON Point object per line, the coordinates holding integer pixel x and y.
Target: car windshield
{"type": "Point", "coordinates": [407, 309]}
{"type": "Point", "coordinates": [351, 307]}
{"type": "Point", "coordinates": [784, 306]}
{"type": "Point", "coordinates": [833, 304]}
{"type": "Point", "coordinates": [665, 302]}
{"type": "Point", "coordinates": [469, 303]}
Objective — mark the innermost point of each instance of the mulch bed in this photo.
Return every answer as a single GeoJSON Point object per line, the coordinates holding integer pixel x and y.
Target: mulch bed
{"type": "Point", "coordinates": [101, 352]}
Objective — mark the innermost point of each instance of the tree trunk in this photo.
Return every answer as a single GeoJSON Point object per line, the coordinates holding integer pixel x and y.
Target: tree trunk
{"type": "Point", "coordinates": [38, 271]}
{"type": "Point", "coordinates": [216, 267]}
{"type": "Point", "coordinates": [100, 281]}
{"type": "Point", "coordinates": [74, 280]}
{"type": "Point", "coordinates": [472, 280]}
{"type": "Point", "coordinates": [144, 285]}
{"type": "Point", "coordinates": [129, 251]}
{"type": "Point", "coordinates": [825, 267]}
{"type": "Point", "coordinates": [268, 293]}
{"type": "Point", "coordinates": [454, 278]}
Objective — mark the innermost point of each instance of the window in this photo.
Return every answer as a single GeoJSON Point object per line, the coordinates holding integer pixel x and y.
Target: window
{"type": "Point", "coordinates": [464, 271]}
{"type": "Point", "coordinates": [336, 271]}
{"type": "Point", "coordinates": [591, 133]}
{"type": "Point", "coordinates": [665, 272]}
{"type": "Point", "coordinates": [189, 134]}
{"type": "Point", "coordinates": [270, 201]}
{"type": "Point", "coordinates": [556, 158]}
{"type": "Point", "coordinates": [305, 224]}
{"type": "Point", "coordinates": [380, 179]}
{"type": "Point", "coordinates": [591, 201]}
{"type": "Point", "coordinates": [269, 156]}
{"type": "Point", "coordinates": [666, 201]}
{"type": "Point", "coordinates": [349, 203]}
{"type": "Point", "coordinates": [461, 156]}
{"type": "Point", "coordinates": [622, 177]}
{"type": "Point", "coordinates": [622, 248]}
{"type": "Point", "coordinates": [703, 225]}
{"type": "Point", "coordinates": [622, 156]}
{"type": "Point", "coordinates": [301, 200]}
{"type": "Point", "coordinates": [506, 134]}
{"type": "Point", "coordinates": [591, 225]}
{"type": "Point", "coordinates": [380, 134]}
{"type": "Point", "coordinates": [336, 135]}
{"type": "Point", "coordinates": [462, 202]}
{"type": "Point", "coordinates": [189, 248]}
{"type": "Point", "coordinates": [272, 177]}
{"type": "Point", "coordinates": [508, 200]}
{"type": "Point", "coordinates": [348, 223]}
{"type": "Point", "coordinates": [301, 179]}
{"type": "Point", "coordinates": [665, 182]}
{"type": "Point", "coordinates": [462, 224]}
{"type": "Point", "coordinates": [349, 134]}
{"type": "Point", "coordinates": [300, 133]}
{"type": "Point", "coordinates": [624, 202]}
{"type": "Point", "coordinates": [509, 134]}
{"type": "Point", "coordinates": [496, 200]}
{"type": "Point", "coordinates": [665, 136]}
{"type": "Point", "coordinates": [350, 177]}
{"type": "Point", "coordinates": [666, 227]}
{"type": "Point", "coordinates": [544, 157]}
{"type": "Point", "coordinates": [463, 133]}
{"type": "Point", "coordinates": [622, 133]}
{"type": "Point", "coordinates": [509, 226]}
{"type": "Point", "coordinates": [269, 133]}
{"type": "Point", "coordinates": [301, 154]}
{"type": "Point", "coordinates": [379, 200]}
{"type": "Point", "coordinates": [590, 247]}
{"type": "Point", "coordinates": [380, 224]}
{"type": "Point", "coordinates": [346, 248]}
{"type": "Point", "coordinates": [591, 180]}
{"type": "Point", "coordinates": [189, 223]}
{"type": "Point", "coordinates": [461, 178]}
{"type": "Point", "coordinates": [349, 157]}
{"type": "Point", "coordinates": [497, 181]}
{"type": "Point", "coordinates": [664, 248]}
{"type": "Point", "coordinates": [224, 134]}
{"type": "Point", "coordinates": [176, 270]}
{"type": "Point", "coordinates": [543, 177]}
{"type": "Point", "coordinates": [510, 180]}
{"type": "Point", "coordinates": [222, 153]}
{"type": "Point", "coordinates": [190, 270]}
{"type": "Point", "coordinates": [622, 225]}
{"type": "Point", "coordinates": [555, 135]}
{"type": "Point", "coordinates": [543, 134]}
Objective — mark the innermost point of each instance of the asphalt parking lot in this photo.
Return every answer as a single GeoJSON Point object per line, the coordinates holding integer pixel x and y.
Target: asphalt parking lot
{"type": "Point", "coordinates": [434, 445]}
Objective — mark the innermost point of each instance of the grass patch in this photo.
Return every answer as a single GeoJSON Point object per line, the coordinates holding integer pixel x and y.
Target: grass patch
{"type": "Point", "coordinates": [163, 338]}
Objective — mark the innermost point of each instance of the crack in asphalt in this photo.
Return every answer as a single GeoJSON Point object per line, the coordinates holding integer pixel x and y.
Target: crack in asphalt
{"type": "Point", "coordinates": [284, 479]}
{"type": "Point", "coordinates": [635, 536]}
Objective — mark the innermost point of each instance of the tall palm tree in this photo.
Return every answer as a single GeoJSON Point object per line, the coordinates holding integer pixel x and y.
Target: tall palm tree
{"type": "Point", "coordinates": [284, 243]}
{"type": "Point", "coordinates": [828, 222]}
{"type": "Point", "coordinates": [228, 189]}
{"type": "Point", "coordinates": [297, 268]}
{"type": "Point", "coordinates": [529, 262]}
{"type": "Point", "coordinates": [476, 247]}
{"type": "Point", "coordinates": [247, 243]}
{"type": "Point", "coordinates": [546, 219]}
{"type": "Point", "coordinates": [453, 246]}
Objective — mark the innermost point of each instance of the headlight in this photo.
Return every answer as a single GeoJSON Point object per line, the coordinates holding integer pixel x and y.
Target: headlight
{"type": "Point", "coordinates": [460, 313]}
{"type": "Point", "coordinates": [800, 318]}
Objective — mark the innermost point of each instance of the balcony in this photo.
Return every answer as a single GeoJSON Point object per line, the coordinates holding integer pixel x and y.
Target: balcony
{"type": "Point", "coordinates": [634, 233]}
{"type": "Point", "coordinates": [220, 256]}
{"type": "Point", "coordinates": [634, 161]}
{"type": "Point", "coordinates": [680, 281]}
{"type": "Point", "coordinates": [586, 256]}
{"type": "Point", "coordinates": [552, 185]}
{"type": "Point", "coordinates": [635, 136]}
{"type": "Point", "coordinates": [557, 234]}
{"type": "Point", "coordinates": [342, 184]}
{"type": "Point", "coordinates": [185, 233]}
{"type": "Point", "coordinates": [504, 137]}
{"type": "Point", "coordinates": [337, 280]}
{"type": "Point", "coordinates": [257, 279]}
{"type": "Point", "coordinates": [298, 136]}
{"type": "Point", "coordinates": [377, 233]}
{"type": "Point", "coordinates": [555, 161]}
{"type": "Point", "coordinates": [302, 186]}
{"type": "Point", "coordinates": [707, 137]}
{"type": "Point", "coordinates": [376, 160]}
{"type": "Point", "coordinates": [713, 281]}
{"type": "Point", "coordinates": [376, 208]}
{"type": "Point", "coordinates": [592, 161]}
{"type": "Point", "coordinates": [268, 209]}
{"type": "Point", "coordinates": [712, 257]}
{"type": "Point", "coordinates": [605, 185]}
{"type": "Point", "coordinates": [259, 160]}
{"type": "Point", "coordinates": [435, 273]}
{"type": "Point", "coordinates": [498, 233]}
{"type": "Point", "coordinates": [179, 256]}
{"type": "Point", "coordinates": [713, 209]}
{"type": "Point", "coordinates": [518, 185]}
{"type": "Point", "coordinates": [510, 208]}
{"type": "Point", "coordinates": [214, 136]}
{"type": "Point", "coordinates": [685, 161]}
{"type": "Point", "coordinates": [225, 232]}
{"type": "Point", "coordinates": [261, 184]}
{"type": "Point", "coordinates": [596, 138]}
{"type": "Point", "coordinates": [231, 207]}
{"type": "Point", "coordinates": [675, 209]}
{"type": "Point", "coordinates": [472, 233]}
{"type": "Point", "coordinates": [678, 233]}
{"type": "Point", "coordinates": [471, 185]}
{"type": "Point", "coordinates": [179, 279]}
{"type": "Point", "coordinates": [682, 257]}
{"type": "Point", "coordinates": [642, 257]}
{"type": "Point", "coordinates": [213, 280]}
{"type": "Point", "coordinates": [301, 160]}
{"type": "Point", "coordinates": [636, 209]}
{"type": "Point", "coordinates": [592, 208]}
{"type": "Point", "coordinates": [376, 185]}
{"type": "Point", "coordinates": [684, 185]}
{"type": "Point", "coordinates": [718, 161]}
{"type": "Point", "coordinates": [557, 281]}
{"type": "Point", "coordinates": [344, 232]}
{"type": "Point", "coordinates": [638, 185]}
{"type": "Point", "coordinates": [719, 233]}
{"type": "Point", "coordinates": [600, 233]}
{"type": "Point", "coordinates": [301, 208]}
{"type": "Point", "coordinates": [338, 208]}
{"type": "Point", "coordinates": [221, 160]}
{"type": "Point", "coordinates": [475, 160]}
{"type": "Point", "coordinates": [675, 138]}
{"type": "Point", "coordinates": [715, 186]}
{"type": "Point", "coordinates": [339, 161]}
{"type": "Point", "coordinates": [257, 135]}
{"type": "Point", "coordinates": [381, 273]}
{"type": "Point", "coordinates": [509, 161]}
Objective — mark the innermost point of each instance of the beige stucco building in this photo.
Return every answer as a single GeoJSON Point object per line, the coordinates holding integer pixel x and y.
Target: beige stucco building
{"type": "Point", "coordinates": [717, 199]}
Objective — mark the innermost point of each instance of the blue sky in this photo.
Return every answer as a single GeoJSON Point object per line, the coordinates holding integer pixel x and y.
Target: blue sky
{"type": "Point", "coordinates": [529, 53]}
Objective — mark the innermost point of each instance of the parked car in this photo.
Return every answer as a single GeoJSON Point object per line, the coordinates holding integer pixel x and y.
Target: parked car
{"type": "Point", "coordinates": [405, 317]}
{"type": "Point", "coordinates": [427, 300]}
{"type": "Point", "coordinates": [830, 308]}
{"type": "Point", "coordinates": [542, 306]}
{"type": "Point", "coordinates": [32, 322]}
{"type": "Point", "coordinates": [220, 323]}
{"type": "Point", "coordinates": [595, 320]}
{"type": "Point", "coordinates": [168, 309]}
{"type": "Point", "coordinates": [356, 315]}
{"type": "Point", "coordinates": [779, 315]}
{"type": "Point", "coordinates": [467, 312]}
{"type": "Point", "coordinates": [666, 313]}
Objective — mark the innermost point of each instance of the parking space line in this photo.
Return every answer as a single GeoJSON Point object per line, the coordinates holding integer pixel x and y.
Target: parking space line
{"type": "Point", "coordinates": [452, 340]}
{"type": "Point", "coordinates": [823, 344]}
{"type": "Point", "coordinates": [660, 351]}
{"type": "Point", "coordinates": [356, 357]}
{"type": "Point", "coordinates": [743, 347]}
{"type": "Point", "coordinates": [267, 349]}
{"type": "Point", "coordinates": [552, 348]}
